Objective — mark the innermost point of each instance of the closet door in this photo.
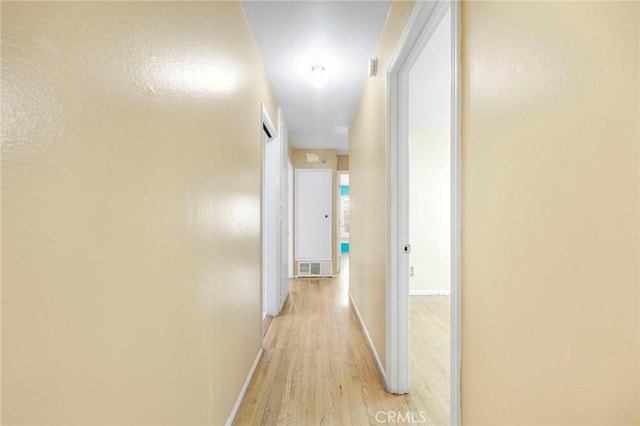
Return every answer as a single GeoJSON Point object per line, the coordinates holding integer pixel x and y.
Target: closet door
{"type": "Point", "coordinates": [313, 216]}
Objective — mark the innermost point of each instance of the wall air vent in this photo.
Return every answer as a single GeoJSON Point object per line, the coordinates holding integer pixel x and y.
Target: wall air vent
{"type": "Point", "coordinates": [314, 269]}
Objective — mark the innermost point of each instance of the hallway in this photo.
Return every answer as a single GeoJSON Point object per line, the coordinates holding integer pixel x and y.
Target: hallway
{"type": "Point", "coordinates": [133, 235]}
{"type": "Point", "coordinates": [317, 369]}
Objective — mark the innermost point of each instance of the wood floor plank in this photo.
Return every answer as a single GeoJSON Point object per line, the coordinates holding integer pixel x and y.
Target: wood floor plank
{"type": "Point", "coordinates": [317, 368]}
{"type": "Point", "coordinates": [430, 354]}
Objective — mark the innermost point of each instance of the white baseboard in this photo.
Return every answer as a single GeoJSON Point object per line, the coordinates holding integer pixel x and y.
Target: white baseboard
{"type": "Point", "coordinates": [430, 292]}
{"type": "Point", "coordinates": [368, 339]}
{"type": "Point", "coordinates": [236, 406]}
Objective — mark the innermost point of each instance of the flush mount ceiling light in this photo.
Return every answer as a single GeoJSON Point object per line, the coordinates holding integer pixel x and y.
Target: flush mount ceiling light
{"type": "Point", "coordinates": [318, 76]}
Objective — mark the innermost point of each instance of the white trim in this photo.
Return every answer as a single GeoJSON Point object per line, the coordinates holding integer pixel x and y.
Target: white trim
{"type": "Point", "coordinates": [429, 293]}
{"type": "Point", "coordinates": [266, 120]}
{"type": "Point", "coordinates": [456, 213]}
{"type": "Point", "coordinates": [290, 179]}
{"type": "Point", "coordinates": [367, 337]}
{"type": "Point", "coordinates": [243, 390]}
{"type": "Point", "coordinates": [424, 20]}
{"type": "Point", "coordinates": [283, 215]}
{"type": "Point", "coordinates": [268, 296]}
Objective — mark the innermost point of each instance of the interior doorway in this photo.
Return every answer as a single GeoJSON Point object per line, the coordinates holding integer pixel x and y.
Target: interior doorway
{"type": "Point", "coordinates": [270, 219]}
{"type": "Point", "coordinates": [424, 211]}
{"type": "Point", "coordinates": [343, 210]}
{"type": "Point", "coordinates": [430, 224]}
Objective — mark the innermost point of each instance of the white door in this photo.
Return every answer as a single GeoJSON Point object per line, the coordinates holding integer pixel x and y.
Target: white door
{"type": "Point", "coordinates": [313, 214]}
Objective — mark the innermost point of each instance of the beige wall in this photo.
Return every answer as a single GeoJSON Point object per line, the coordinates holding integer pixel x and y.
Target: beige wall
{"type": "Point", "coordinates": [329, 157]}
{"type": "Point", "coordinates": [430, 210]}
{"type": "Point", "coordinates": [550, 210]}
{"type": "Point", "coordinates": [343, 162]}
{"type": "Point", "coordinates": [550, 213]}
{"type": "Point", "coordinates": [331, 161]}
{"type": "Point", "coordinates": [131, 219]}
{"type": "Point", "coordinates": [367, 187]}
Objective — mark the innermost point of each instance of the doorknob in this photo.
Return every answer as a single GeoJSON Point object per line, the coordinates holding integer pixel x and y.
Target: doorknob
{"type": "Point", "coordinates": [326, 215]}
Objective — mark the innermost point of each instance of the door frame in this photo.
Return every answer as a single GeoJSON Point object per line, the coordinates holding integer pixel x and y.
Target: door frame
{"type": "Point", "coordinates": [423, 22]}
{"type": "Point", "coordinates": [268, 296]}
{"type": "Point", "coordinates": [338, 201]}
{"type": "Point", "coordinates": [290, 189]}
{"type": "Point", "coordinates": [283, 212]}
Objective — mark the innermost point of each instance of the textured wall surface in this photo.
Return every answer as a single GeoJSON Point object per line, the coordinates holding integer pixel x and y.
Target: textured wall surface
{"type": "Point", "coordinates": [343, 162]}
{"type": "Point", "coordinates": [368, 187]}
{"type": "Point", "coordinates": [131, 211]}
{"type": "Point", "coordinates": [550, 213]}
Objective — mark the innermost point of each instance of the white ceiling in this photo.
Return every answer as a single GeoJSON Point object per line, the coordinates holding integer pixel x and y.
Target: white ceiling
{"type": "Point", "coordinates": [292, 36]}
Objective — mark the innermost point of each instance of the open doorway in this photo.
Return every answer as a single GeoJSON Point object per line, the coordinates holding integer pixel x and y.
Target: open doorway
{"type": "Point", "coordinates": [343, 207]}
{"type": "Point", "coordinates": [430, 223]}
{"type": "Point", "coordinates": [423, 310]}
{"type": "Point", "coordinates": [270, 222]}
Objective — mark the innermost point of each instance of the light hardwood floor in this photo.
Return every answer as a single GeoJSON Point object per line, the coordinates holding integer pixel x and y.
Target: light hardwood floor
{"type": "Point", "coordinates": [317, 369]}
{"type": "Point", "coordinates": [430, 354]}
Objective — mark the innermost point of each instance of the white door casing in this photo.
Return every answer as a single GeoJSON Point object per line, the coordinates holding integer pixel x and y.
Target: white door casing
{"type": "Point", "coordinates": [270, 202]}
{"type": "Point", "coordinates": [290, 216]}
{"type": "Point", "coordinates": [423, 21]}
{"type": "Point", "coordinates": [283, 209]}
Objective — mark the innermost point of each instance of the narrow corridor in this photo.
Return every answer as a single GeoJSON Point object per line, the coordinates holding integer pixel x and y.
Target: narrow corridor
{"type": "Point", "coordinates": [317, 368]}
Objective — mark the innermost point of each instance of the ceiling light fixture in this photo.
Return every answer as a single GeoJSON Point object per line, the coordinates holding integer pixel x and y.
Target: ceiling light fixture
{"type": "Point", "coordinates": [318, 76]}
